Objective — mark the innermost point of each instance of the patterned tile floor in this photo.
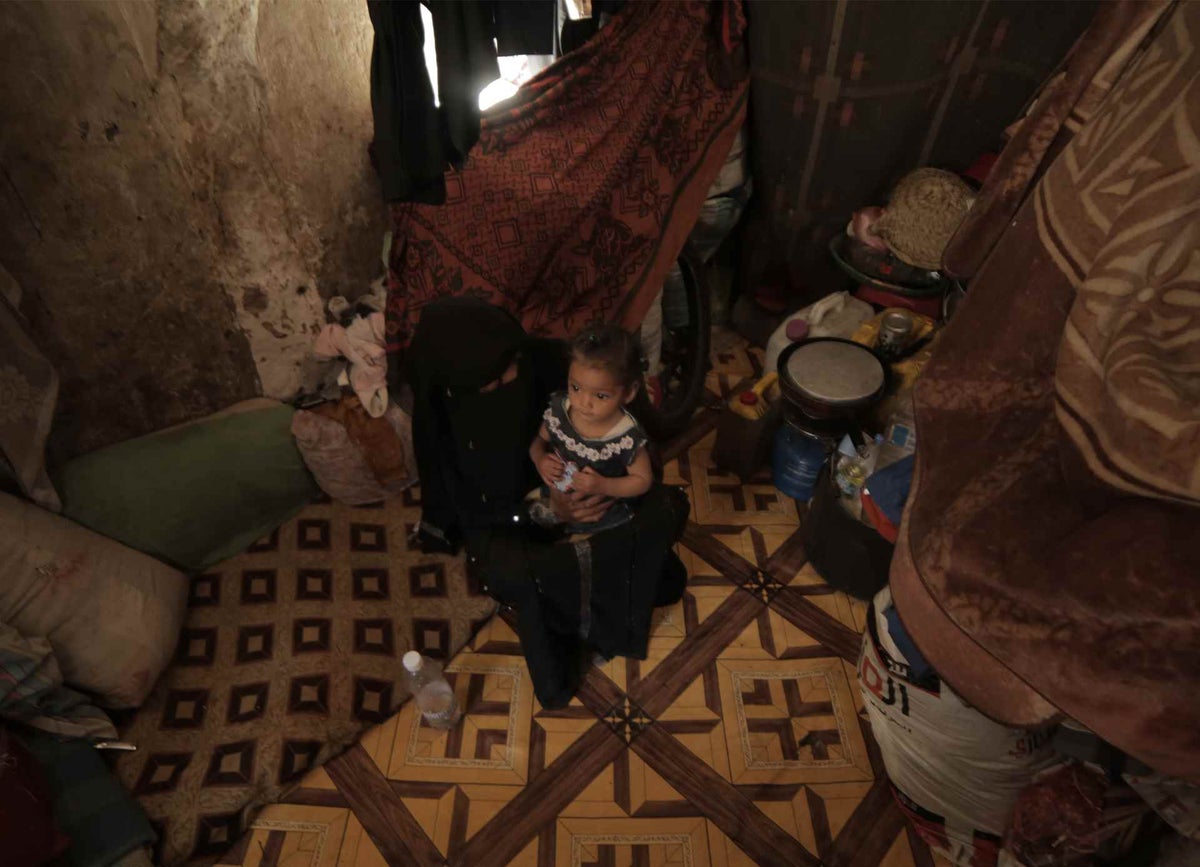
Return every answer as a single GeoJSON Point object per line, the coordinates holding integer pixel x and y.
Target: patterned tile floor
{"type": "Point", "coordinates": [740, 739]}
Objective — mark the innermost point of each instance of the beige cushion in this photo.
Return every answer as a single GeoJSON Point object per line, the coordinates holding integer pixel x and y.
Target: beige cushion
{"type": "Point", "coordinates": [111, 614]}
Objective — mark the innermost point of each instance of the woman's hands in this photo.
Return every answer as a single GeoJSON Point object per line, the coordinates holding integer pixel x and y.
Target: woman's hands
{"type": "Point", "coordinates": [575, 507]}
{"type": "Point", "coordinates": [588, 481]}
{"type": "Point", "coordinates": [550, 467]}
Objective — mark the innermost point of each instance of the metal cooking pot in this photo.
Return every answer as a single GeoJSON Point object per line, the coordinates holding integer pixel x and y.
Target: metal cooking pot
{"type": "Point", "coordinates": [829, 380]}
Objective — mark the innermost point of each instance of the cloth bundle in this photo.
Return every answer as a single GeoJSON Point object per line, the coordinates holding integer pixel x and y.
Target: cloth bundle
{"type": "Point", "coordinates": [361, 344]}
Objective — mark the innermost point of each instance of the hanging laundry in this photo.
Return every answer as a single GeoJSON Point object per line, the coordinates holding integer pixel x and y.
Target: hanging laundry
{"type": "Point", "coordinates": [416, 138]}
{"type": "Point", "coordinates": [361, 344]}
{"type": "Point", "coordinates": [408, 150]}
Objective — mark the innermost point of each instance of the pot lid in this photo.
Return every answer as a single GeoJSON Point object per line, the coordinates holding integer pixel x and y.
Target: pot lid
{"type": "Point", "coordinates": [834, 371]}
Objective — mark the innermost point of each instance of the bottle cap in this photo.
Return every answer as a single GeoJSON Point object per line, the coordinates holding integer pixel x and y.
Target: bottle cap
{"type": "Point", "coordinates": [797, 329]}
{"type": "Point", "coordinates": [412, 661]}
{"type": "Point", "coordinates": [748, 398]}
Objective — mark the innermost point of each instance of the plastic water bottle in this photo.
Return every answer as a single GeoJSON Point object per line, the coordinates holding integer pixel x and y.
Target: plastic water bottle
{"type": "Point", "coordinates": [433, 695]}
{"type": "Point", "coordinates": [901, 437]}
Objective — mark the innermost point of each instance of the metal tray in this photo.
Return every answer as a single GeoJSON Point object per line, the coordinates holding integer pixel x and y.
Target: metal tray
{"type": "Point", "coordinates": [931, 284]}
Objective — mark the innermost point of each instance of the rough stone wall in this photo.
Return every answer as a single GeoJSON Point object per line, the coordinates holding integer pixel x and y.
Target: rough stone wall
{"type": "Point", "coordinates": [182, 183]}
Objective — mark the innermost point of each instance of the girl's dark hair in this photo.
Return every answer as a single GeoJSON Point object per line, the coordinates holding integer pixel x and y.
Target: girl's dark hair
{"type": "Point", "coordinates": [611, 348]}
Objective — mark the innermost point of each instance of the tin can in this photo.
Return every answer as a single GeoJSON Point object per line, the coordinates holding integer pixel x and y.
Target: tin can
{"type": "Point", "coordinates": [896, 331]}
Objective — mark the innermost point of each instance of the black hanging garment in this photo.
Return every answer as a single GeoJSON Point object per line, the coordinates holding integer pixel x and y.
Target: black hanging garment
{"type": "Point", "coordinates": [524, 26]}
{"type": "Point", "coordinates": [409, 150]}
{"type": "Point", "coordinates": [415, 140]}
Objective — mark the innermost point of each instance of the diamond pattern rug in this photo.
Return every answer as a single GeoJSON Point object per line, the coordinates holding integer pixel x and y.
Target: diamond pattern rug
{"type": "Point", "coordinates": [740, 740]}
{"type": "Point", "coordinates": [288, 653]}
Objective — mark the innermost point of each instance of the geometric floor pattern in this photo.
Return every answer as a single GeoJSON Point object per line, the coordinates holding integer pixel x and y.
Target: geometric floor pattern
{"type": "Point", "coordinates": [740, 740]}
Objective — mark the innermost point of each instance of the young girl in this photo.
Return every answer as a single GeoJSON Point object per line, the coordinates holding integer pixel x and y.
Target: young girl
{"type": "Point", "coordinates": [589, 442]}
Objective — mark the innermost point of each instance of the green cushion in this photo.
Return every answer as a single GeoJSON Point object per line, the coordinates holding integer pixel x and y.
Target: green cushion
{"type": "Point", "coordinates": [194, 495]}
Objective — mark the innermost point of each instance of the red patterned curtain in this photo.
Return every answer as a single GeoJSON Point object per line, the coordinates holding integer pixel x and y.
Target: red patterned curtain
{"type": "Point", "coordinates": [583, 189]}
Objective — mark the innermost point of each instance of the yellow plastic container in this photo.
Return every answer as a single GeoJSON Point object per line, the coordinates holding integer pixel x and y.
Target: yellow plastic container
{"type": "Point", "coordinates": [754, 403]}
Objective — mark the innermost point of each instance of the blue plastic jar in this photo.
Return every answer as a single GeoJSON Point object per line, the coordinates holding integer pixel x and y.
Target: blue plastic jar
{"type": "Point", "coordinates": [797, 461]}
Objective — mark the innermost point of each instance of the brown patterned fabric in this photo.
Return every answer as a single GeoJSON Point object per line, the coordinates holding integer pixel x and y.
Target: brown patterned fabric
{"type": "Point", "coordinates": [579, 197]}
{"type": "Point", "coordinates": [1064, 104]}
{"type": "Point", "coordinates": [288, 652]}
{"type": "Point", "coordinates": [1050, 555]}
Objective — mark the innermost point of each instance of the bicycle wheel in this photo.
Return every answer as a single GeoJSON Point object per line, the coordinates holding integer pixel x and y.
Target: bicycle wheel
{"type": "Point", "coordinates": [685, 360]}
